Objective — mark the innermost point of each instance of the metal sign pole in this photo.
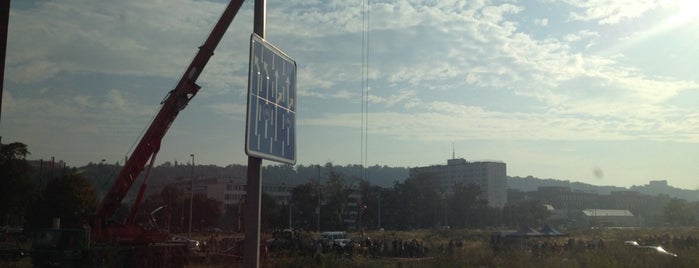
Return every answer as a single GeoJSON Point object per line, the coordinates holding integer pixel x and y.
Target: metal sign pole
{"type": "Point", "coordinates": [251, 257]}
{"type": "Point", "coordinates": [254, 179]}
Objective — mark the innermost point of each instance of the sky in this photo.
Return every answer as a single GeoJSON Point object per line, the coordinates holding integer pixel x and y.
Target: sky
{"type": "Point", "coordinates": [599, 91]}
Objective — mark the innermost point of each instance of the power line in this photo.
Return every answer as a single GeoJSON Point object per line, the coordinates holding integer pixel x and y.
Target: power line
{"type": "Point", "coordinates": [364, 131]}
{"type": "Point", "coordinates": [361, 130]}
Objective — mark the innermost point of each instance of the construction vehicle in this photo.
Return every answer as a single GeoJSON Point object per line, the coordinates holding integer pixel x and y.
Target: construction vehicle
{"type": "Point", "coordinates": [105, 242]}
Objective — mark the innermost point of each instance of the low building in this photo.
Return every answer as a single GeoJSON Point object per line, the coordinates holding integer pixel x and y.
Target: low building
{"type": "Point", "coordinates": [563, 198]}
{"type": "Point", "coordinates": [605, 218]}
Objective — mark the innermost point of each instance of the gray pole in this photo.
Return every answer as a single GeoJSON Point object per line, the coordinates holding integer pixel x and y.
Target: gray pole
{"type": "Point", "coordinates": [318, 205]}
{"type": "Point", "coordinates": [379, 207]}
{"type": "Point", "coordinates": [289, 201]}
{"type": "Point", "coordinates": [251, 256]}
{"type": "Point", "coordinates": [191, 197]}
{"type": "Point", "coordinates": [102, 177]}
{"type": "Point", "coordinates": [446, 219]}
{"type": "Point", "coordinates": [290, 221]}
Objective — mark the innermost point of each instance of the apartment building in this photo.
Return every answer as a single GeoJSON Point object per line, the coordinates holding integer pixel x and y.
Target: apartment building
{"type": "Point", "coordinates": [490, 176]}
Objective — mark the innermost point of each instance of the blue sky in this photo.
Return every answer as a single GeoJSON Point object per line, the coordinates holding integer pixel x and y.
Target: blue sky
{"type": "Point", "coordinates": [599, 91]}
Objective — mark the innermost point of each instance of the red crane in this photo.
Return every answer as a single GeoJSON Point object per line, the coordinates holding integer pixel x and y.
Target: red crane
{"type": "Point", "coordinates": [149, 145]}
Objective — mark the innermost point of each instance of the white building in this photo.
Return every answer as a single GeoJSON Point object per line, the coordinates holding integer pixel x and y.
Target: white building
{"type": "Point", "coordinates": [491, 177]}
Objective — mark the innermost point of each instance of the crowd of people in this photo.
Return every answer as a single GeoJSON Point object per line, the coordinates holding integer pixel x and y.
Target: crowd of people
{"type": "Point", "coordinates": [670, 241]}
{"type": "Point", "coordinates": [300, 243]}
{"type": "Point", "coordinates": [374, 248]}
{"type": "Point", "coordinates": [541, 246]}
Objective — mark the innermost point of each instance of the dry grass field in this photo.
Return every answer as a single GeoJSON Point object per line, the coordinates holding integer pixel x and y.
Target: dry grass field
{"type": "Point", "coordinates": [471, 248]}
{"type": "Point", "coordinates": [587, 248]}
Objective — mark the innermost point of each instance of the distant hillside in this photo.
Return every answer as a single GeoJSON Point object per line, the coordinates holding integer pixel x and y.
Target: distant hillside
{"type": "Point", "coordinates": [661, 187]}
{"type": "Point", "coordinates": [654, 188]}
{"type": "Point", "coordinates": [530, 183]}
{"type": "Point", "coordinates": [102, 174]}
{"type": "Point", "coordinates": [384, 176]}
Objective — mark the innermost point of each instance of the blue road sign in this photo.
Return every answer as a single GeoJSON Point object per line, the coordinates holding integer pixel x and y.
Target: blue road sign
{"type": "Point", "coordinates": [271, 117]}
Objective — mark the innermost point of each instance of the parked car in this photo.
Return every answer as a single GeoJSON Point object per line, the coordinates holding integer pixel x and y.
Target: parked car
{"type": "Point", "coordinates": [192, 245]}
{"type": "Point", "coordinates": [651, 249]}
{"type": "Point", "coordinates": [335, 238]}
{"type": "Point", "coordinates": [11, 229]}
{"type": "Point", "coordinates": [281, 240]}
{"type": "Point", "coordinates": [10, 251]}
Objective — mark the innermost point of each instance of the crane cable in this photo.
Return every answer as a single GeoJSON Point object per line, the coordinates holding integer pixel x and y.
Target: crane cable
{"type": "Point", "coordinates": [365, 89]}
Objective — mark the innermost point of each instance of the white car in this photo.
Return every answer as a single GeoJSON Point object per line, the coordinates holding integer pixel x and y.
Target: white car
{"type": "Point", "coordinates": [335, 238]}
{"type": "Point", "coordinates": [192, 245]}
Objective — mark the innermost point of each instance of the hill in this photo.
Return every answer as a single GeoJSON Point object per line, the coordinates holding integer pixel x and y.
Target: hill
{"type": "Point", "coordinates": [653, 188]}
{"type": "Point", "coordinates": [101, 174]}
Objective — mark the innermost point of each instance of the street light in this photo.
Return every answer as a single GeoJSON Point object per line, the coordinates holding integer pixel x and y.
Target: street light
{"type": "Point", "coordinates": [443, 192]}
{"type": "Point", "coordinates": [318, 205]}
{"type": "Point", "coordinates": [102, 177]}
{"type": "Point", "coordinates": [290, 215]}
{"type": "Point", "coordinates": [379, 208]}
{"type": "Point", "coordinates": [446, 219]}
{"type": "Point", "coordinates": [288, 189]}
{"type": "Point", "coordinates": [361, 220]}
{"type": "Point", "coordinates": [191, 197]}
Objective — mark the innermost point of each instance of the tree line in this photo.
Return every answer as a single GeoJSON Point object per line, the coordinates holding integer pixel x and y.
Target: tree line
{"type": "Point", "coordinates": [324, 204]}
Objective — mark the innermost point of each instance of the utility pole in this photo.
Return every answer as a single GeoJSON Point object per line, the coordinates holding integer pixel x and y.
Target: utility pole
{"type": "Point", "coordinates": [290, 220]}
{"type": "Point", "coordinates": [318, 205]}
{"type": "Point", "coordinates": [102, 177]}
{"type": "Point", "coordinates": [290, 198]}
{"type": "Point", "coordinates": [446, 219]}
{"type": "Point", "coordinates": [289, 201]}
{"type": "Point", "coordinates": [379, 208]}
{"type": "Point", "coordinates": [191, 197]}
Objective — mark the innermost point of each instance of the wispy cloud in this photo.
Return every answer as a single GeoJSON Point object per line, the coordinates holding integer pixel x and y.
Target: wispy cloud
{"type": "Point", "coordinates": [609, 11]}
{"type": "Point", "coordinates": [142, 38]}
{"type": "Point", "coordinates": [229, 109]}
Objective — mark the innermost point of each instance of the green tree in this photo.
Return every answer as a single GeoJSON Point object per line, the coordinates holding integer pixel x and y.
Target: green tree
{"type": "Point", "coordinates": [71, 198]}
{"type": "Point", "coordinates": [335, 196]}
{"type": "Point", "coordinates": [304, 201]}
{"type": "Point", "coordinates": [206, 212]}
{"type": "Point", "coordinates": [526, 212]}
{"type": "Point", "coordinates": [17, 189]}
{"type": "Point", "coordinates": [467, 208]}
{"type": "Point", "coordinates": [679, 212]}
{"type": "Point", "coordinates": [232, 219]}
{"type": "Point", "coordinates": [171, 215]}
{"type": "Point", "coordinates": [174, 198]}
{"type": "Point", "coordinates": [370, 198]}
{"type": "Point", "coordinates": [419, 202]}
{"type": "Point", "coordinates": [272, 213]}
{"type": "Point", "coordinates": [392, 217]}
{"type": "Point", "coordinates": [174, 210]}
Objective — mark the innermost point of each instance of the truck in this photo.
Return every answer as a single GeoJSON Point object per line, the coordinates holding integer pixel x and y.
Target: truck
{"type": "Point", "coordinates": [106, 242]}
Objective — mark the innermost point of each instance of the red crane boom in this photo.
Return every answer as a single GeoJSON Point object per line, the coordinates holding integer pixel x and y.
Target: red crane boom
{"type": "Point", "coordinates": [176, 100]}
